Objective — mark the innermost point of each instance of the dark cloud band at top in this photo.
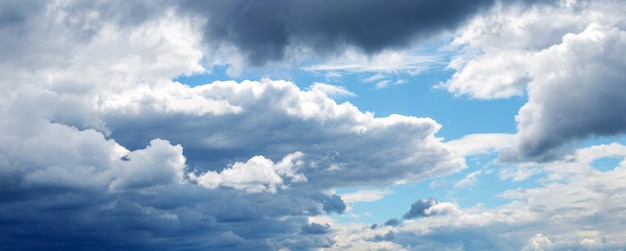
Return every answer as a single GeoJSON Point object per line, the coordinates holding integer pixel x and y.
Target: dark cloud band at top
{"type": "Point", "coordinates": [263, 30]}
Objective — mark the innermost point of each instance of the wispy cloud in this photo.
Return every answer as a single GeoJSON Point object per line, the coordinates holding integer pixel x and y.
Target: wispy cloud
{"type": "Point", "coordinates": [365, 195]}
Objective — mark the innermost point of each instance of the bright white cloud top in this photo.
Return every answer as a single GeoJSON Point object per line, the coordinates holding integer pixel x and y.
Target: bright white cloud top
{"type": "Point", "coordinates": [240, 125]}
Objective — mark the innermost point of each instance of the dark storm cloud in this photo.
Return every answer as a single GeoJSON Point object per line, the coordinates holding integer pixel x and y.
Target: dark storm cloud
{"type": "Point", "coordinates": [174, 217]}
{"type": "Point", "coordinates": [263, 30]}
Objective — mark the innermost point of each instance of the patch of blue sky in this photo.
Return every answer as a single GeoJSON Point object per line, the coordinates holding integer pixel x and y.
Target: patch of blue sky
{"type": "Point", "coordinates": [606, 163]}
{"type": "Point", "coordinates": [458, 116]}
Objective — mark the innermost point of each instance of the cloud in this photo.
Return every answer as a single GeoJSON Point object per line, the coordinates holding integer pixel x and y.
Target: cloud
{"type": "Point", "coordinates": [267, 32]}
{"type": "Point", "coordinates": [388, 62]}
{"type": "Point", "coordinates": [469, 180]}
{"type": "Point", "coordinates": [280, 24]}
{"type": "Point", "coordinates": [392, 222]}
{"type": "Point", "coordinates": [256, 175]}
{"type": "Point", "coordinates": [570, 70]}
{"type": "Point", "coordinates": [315, 228]}
{"type": "Point", "coordinates": [474, 144]}
{"type": "Point", "coordinates": [101, 150]}
{"type": "Point", "coordinates": [365, 195]}
{"type": "Point", "coordinates": [574, 207]}
{"type": "Point", "coordinates": [332, 90]}
{"type": "Point", "coordinates": [389, 236]}
{"type": "Point", "coordinates": [277, 118]}
{"type": "Point", "coordinates": [591, 64]}
{"type": "Point", "coordinates": [429, 207]}
{"type": "Point", "coordinates": [537, 243]}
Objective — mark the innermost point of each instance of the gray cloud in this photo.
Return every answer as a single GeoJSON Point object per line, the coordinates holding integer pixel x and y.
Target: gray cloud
{"type": "Point", "coordinates": [569, 64]}
{"type": "Point", "coordinates": [392, 222]}
{"type": "Point", "coordinates": [418, 209]}
{"type": "Point", "coordinates": [341, 145]}
{"type": "Point", "coordinates": [264, 30]}
{"type": "Point", "coordinates": [584, 101]}
{"type": "Point", "coordinates": [389, 236]}
{"type": "Point", "coordinates": [315, 228]}
{"type": "Point", "coordinates": [429, 207]}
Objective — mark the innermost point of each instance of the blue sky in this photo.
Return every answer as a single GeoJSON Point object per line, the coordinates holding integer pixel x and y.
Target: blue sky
{"type": "Point", "coordinates": [312, 125]}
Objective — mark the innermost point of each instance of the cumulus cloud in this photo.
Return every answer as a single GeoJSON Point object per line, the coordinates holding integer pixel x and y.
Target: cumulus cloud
{"type": "Point", "coordinates": [278, 118]}
{"type": "Point", "coordinates": [256, 175]}
{"type": "Point", "coordinates": [565, 57]}
{"type": "Point", "coordinates": [538, 243]}
{"type": "Point", "coordinates": [575, 93]}
{"type": "Point", "coordinates": [429, 207]}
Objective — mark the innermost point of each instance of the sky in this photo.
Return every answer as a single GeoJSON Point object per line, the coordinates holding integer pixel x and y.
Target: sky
{"type": "Point", "coordinates": [312, 125]}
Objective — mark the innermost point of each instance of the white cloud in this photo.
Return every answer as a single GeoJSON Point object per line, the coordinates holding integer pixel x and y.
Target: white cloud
{"type": "Point", "coordinates": [258, 174]}
{"type": "Point", "coordinates": [469, 180]}
{"type": "Point", "coordinates": [158, 164]}
{"type": "Point", "coordinates": [388, 61]}
{"type": "Point", "coordinates": [498, 45]}
{"type": "Point", "coordinates": [475, 144]}
{"type": "Point", "coordinates": [385, 66]}
{"type": "Point", "coordinates": [365, 195]}
{"type": "Point", "coordinates": [538, 243]}
{"type": "Point", "coordinates": [332, 90]}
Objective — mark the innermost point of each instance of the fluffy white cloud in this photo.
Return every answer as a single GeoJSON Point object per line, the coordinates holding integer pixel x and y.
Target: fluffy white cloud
{"type": "Point", "coordinates": [342, 146]}
{"type": "Point", "coordinates": [255, 175]}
